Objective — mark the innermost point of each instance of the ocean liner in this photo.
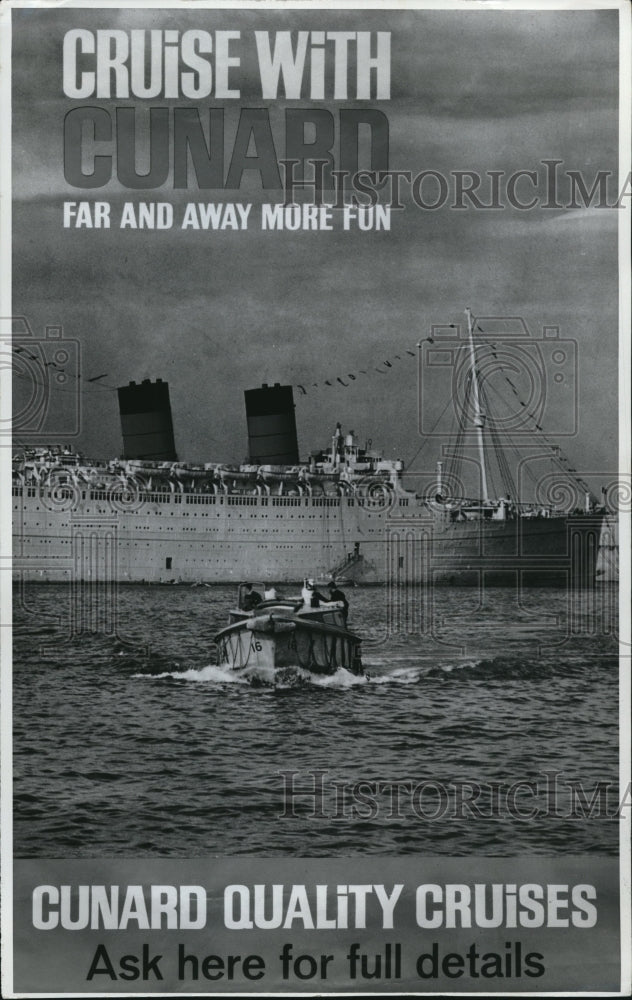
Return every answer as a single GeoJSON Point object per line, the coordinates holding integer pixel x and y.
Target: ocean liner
{"type": "Point", "coordinates": [345, 513]}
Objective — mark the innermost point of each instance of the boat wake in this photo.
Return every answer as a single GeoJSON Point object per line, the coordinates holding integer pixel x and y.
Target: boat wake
{"type": "Point", "coordinates": [206, 675]}
{"type": "Point", "coordinates": [379, 673]}
{"type": "Point", "coordinates": [257, 676]}
{"type": "Point", "coordinates": [292, 677]}
{"type": "Point", "coordinates": [286, 677]}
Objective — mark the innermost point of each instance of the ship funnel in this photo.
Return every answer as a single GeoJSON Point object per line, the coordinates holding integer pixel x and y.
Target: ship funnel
{"type": "Point", "coordinates": [271, 425]}
{"type": "Point", "coordinates": [146, 421]}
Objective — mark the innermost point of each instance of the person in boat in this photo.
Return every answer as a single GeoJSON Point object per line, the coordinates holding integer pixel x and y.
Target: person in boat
{"type": "Point", "coordinates": [251, 598]}
{"type": "Point", "coordinates": [335, 594]}
{"type": "Point", "coordinates": [318, 599]}
{"type": "Point", "coordinates": [311, 597]}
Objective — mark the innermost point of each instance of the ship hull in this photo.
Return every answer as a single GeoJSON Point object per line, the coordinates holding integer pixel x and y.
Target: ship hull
{"type": "Point", "coordinates": [94, 537]}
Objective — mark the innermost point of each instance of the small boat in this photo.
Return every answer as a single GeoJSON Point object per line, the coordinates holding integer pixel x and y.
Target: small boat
{"type": "Point", "coordinates": [289, 632]}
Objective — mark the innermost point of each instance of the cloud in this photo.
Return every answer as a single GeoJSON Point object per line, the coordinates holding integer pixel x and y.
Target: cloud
{"type": "Point", "coordinates": [218, 312]}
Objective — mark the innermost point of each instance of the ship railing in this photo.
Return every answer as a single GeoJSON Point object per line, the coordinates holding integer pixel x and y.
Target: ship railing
{"type": "Point", "coordinates": [513, 508]}
{"type": "Point", "coordinates": [241, 501]}
{"type": "Point", "coordinates": [199, 498]}
{"type": "Point", "coordinates": [287, 501]}
{"type": "Point", "coordinates": [158, 497]}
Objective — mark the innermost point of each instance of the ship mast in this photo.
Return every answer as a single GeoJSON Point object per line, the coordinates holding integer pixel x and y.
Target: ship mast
{"type": "Point", "coordinates": [479, 417]}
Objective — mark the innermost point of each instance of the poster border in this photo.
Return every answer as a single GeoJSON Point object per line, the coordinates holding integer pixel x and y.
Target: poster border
{"type": "Point", "coordinates": [624, 7]}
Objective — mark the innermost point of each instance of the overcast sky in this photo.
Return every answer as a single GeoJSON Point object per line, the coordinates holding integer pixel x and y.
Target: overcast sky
{"type": "Point", "coordinates": [215, 313]}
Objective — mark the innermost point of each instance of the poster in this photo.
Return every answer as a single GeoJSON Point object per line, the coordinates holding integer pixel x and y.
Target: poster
{"type": "Point", "coordinates": [402, 230]}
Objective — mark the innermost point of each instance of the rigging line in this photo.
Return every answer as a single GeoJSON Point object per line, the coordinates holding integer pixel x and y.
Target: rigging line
{"type": "Point", "coordinates": [501, 458]}
{"type": "Point", "coordinates": [558, 457]}
{"type": "Point", "coordinates": [512, 448]}
{"type": "Point", "coordinates": [360, 371]}
{"type": "Point", "coordinates": [456, 459]}
{"type": "Point", "coordinates": [496, 433]}
{"type": "Point", "coordinates": [58, 388]}
{"type": "Point", "coordinates": [54, 364]}
{"type": "Point", "coordinates": [427, 436]}
{"type": "Point", "coordinates": [506, 477]}
{"type": "Point", "coordinates": [555, 456]}
{"type": "Point", "coordinates": [489, 469]}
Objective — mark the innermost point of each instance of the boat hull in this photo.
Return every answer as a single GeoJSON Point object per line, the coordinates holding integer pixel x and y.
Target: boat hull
{"type": "Point", "coordinates": [262, 644]}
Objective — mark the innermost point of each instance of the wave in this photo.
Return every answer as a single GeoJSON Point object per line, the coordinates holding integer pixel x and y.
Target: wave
{"type": "Point", "coordinates": [380, 672]}
{"type": "Point", "coordinates": [208, 674]}
{"type": "Point", "coordinates": [278, 677]}
{"type": "Point", "coordinates": [289, 677]}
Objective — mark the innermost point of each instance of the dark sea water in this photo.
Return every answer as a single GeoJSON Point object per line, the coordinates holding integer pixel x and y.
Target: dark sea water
{"type": "Point", "coordinates": [129, 741]}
